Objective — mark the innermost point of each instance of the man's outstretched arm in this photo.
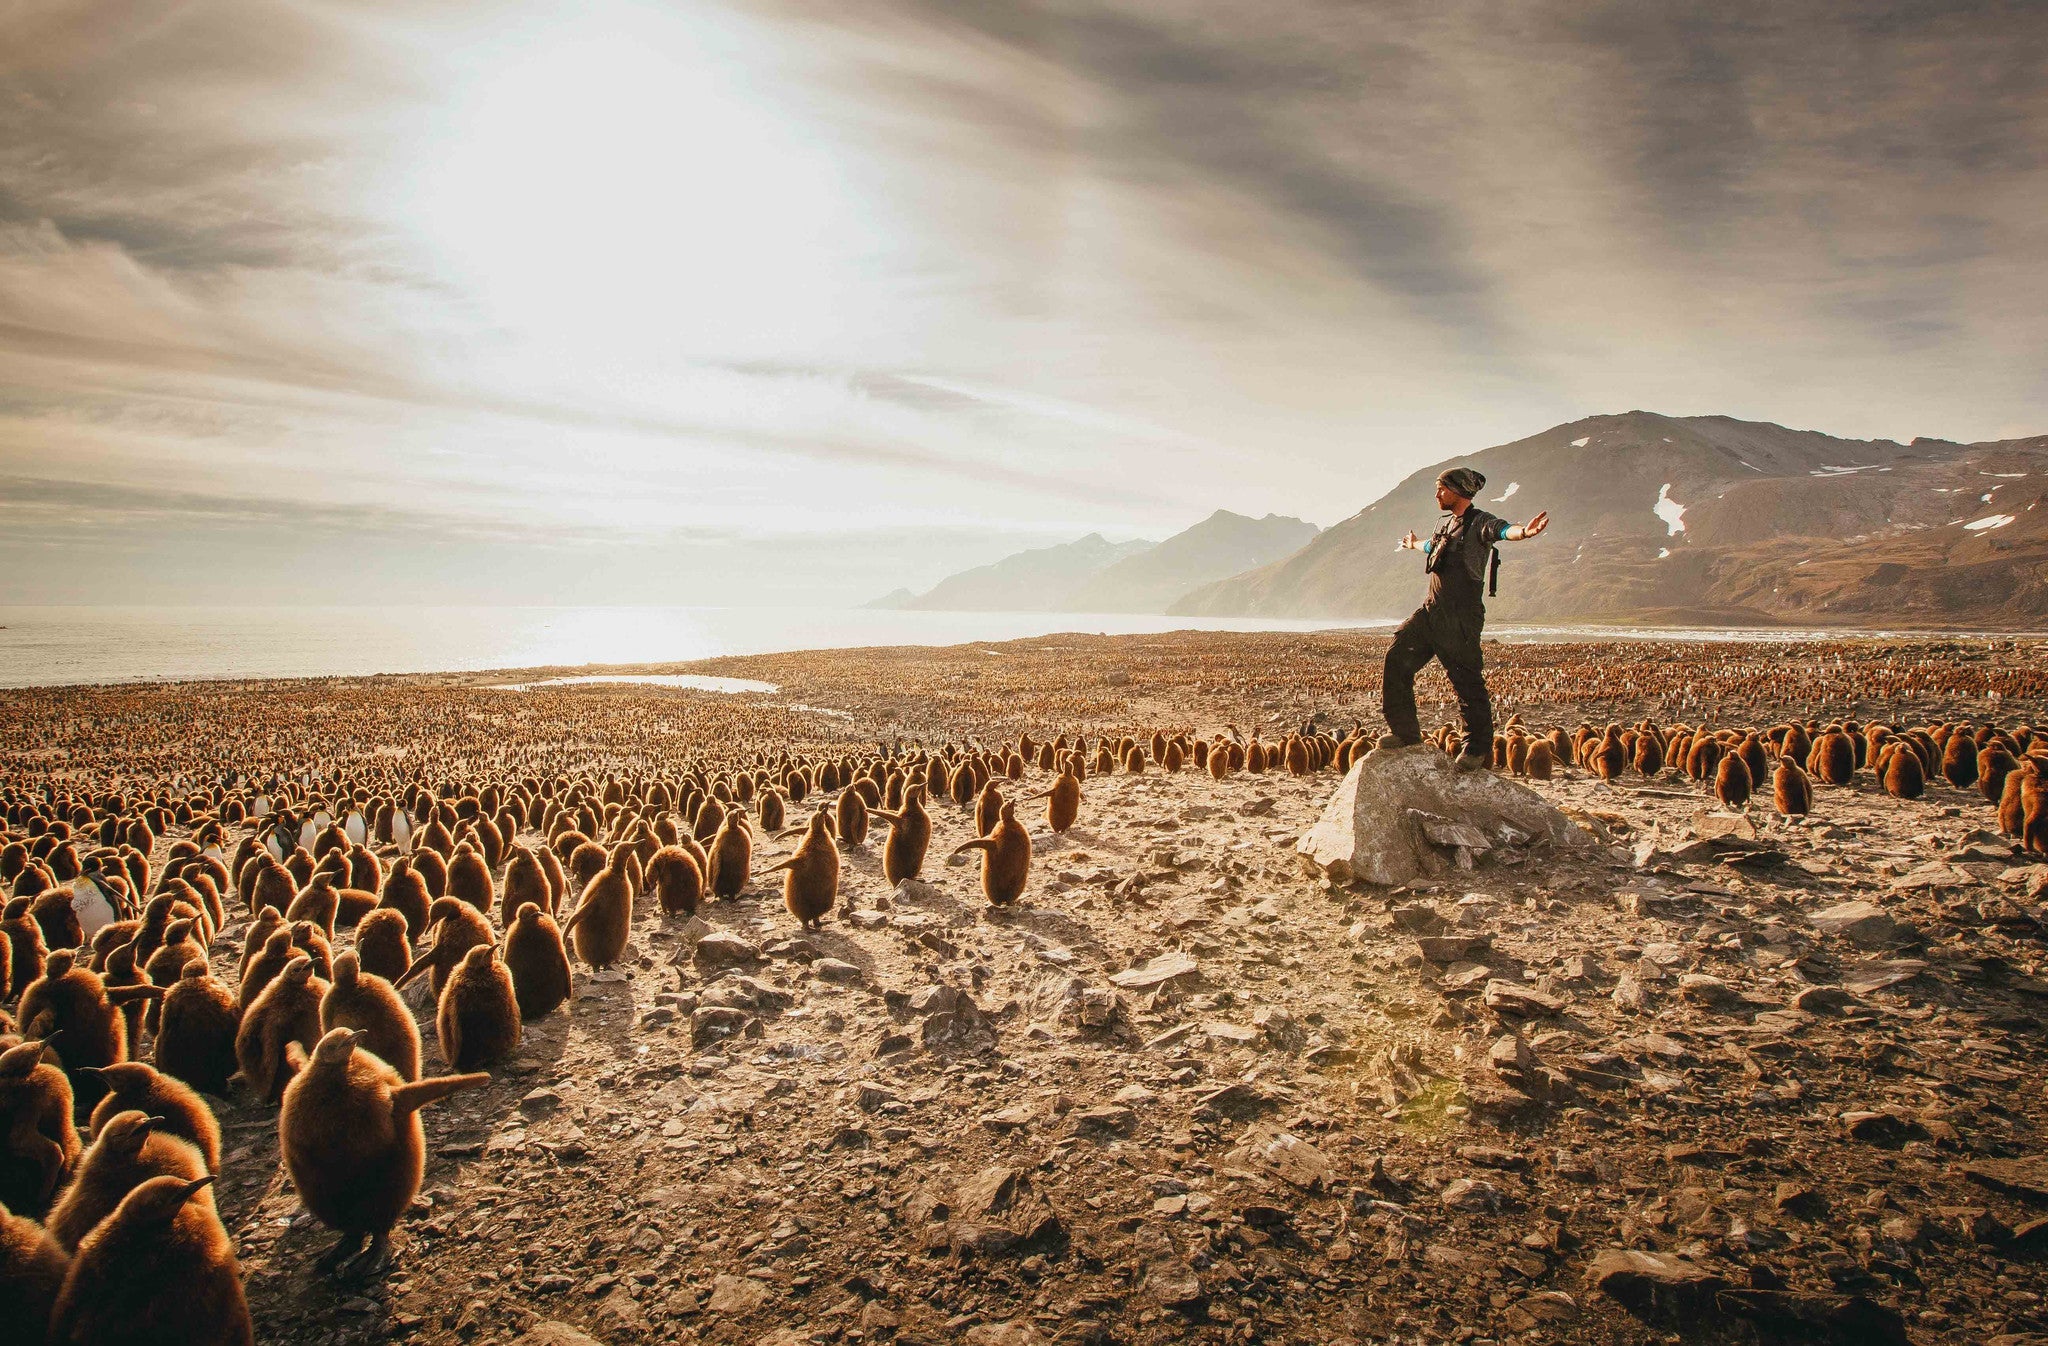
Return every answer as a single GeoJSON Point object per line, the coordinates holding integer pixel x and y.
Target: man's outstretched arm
{"type": "Point", "coordinates": [1522, 532]}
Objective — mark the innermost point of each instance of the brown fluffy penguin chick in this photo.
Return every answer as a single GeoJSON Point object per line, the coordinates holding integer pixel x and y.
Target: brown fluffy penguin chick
{"type": "Point", "coordinates": [2011, 817]}
{"type": "Point", "coordinates": [469, 878]}
{"type": "Point", "coordinates": [88, 1014]}
{"type": "Point", "coordinates": [1791, 791]}
{"type": "Point", "coordinates": [366, 1002]}
{"type": "Point", "coordinates": [405, 892]}
{"type": "Point", "coordinates": [267, 923]}
{"type": "Point", "coordinates": [1835, 758]}
{"type": "Point", "coordinates": [538, 961]}
{"type": "Point", "coordinates": [677, 881]}
{"type": "Point", "coordinates": [810, 888]}
{"type": "Point", "coordinates": [988, 808]}
{"type": "Point", "coordinates": [1904, 775]}
{"type": "Point", "coordinates": [25, 948]}
{"type": "Point", "coordinates": [39, 1142]}
{"type": "Point", "coordinates": [159, 1269]}
{"type": "Point", "coordinates": [2033, 811]}
{"type": "Point", "coordinates": [195, 1036]}
{"type": "Point", "coordinates": [456, 928]}
{"type": "Point", "coordinates": [32, 1269]}
{"type": "Point", "coordinates": [261, 970]}
{"type": "Point", "coordinates": [318, 902]}
{"type": "Point", "coordinates": [381, 944]}
{"type": "Point", "coordinates": [128, 1152]}
{"type": "Point", "coordinates": [1732, 784]}
{"type": "Point", "coordinates": [732, 857]}
{"type": "Point", "coordinates": [525, 881]}
{"type": "Point", "coordinates": [1062, 802]}
{"type": "Point", "coordinates": [288, 1011]}
{"type": "Point", "coordinates": [1005, 858]}
{"type": "Point", "coordinates": [478, 1020]}
{"type": "Point", "coordinates": [351, 1139]}
{"type": "Point", "coordinates": [133, 1086]}
{"type": "Point", "coordinates": [850, 817]}
{"type": "Point", "coordinates": [603, 919]}
{"type": "Point", "coordinates": [910, 836]}
{"type": "Point", "coordinates": [1994, 764]}
{"type": "Point", "coordinates": [1542, 762]}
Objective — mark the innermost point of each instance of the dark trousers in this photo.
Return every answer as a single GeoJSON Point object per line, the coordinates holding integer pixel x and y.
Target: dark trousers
{"type": "Point", "coordinates": [1449, 635]}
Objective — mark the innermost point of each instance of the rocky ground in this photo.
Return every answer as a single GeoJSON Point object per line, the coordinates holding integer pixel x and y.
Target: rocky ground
{"type": "Point", "coordinates": [1187, 1090]}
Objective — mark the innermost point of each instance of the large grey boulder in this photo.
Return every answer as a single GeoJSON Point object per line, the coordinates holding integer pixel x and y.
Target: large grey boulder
{"type": "Point", "coordinates": [1406, 813]}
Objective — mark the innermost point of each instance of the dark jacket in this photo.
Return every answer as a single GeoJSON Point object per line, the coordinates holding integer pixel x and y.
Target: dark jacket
{"type": "Point", "coordinates": [1457, 556]}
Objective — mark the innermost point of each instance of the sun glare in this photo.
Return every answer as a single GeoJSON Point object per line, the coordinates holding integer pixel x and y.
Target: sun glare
{"type": "Point", "coordinates": [610, 192]}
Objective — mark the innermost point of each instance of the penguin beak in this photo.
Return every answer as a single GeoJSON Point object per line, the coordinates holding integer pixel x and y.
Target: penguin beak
{"type": "Point", "coordinates": [192, 1187]}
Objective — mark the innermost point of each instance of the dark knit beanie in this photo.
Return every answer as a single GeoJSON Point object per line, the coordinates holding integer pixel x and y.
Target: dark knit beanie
{"type": "Point", "coordinates": [1464, 481]}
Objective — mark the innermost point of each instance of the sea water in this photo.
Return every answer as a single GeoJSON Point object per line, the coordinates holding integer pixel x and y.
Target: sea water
{"type": "Point", "coordinates": [48, 646]}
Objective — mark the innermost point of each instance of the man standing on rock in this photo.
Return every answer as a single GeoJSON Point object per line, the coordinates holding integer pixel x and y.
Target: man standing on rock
{"type": "Point", "coordinates": [1446, 627]}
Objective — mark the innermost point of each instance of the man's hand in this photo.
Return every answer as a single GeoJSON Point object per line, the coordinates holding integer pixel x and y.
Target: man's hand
{"type": "Point", "coordinates": [1410, 542]}
{"type": "Point", "coordinates": [1533, 527]}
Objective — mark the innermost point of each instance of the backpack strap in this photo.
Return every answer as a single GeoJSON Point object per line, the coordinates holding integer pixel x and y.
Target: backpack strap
{"type": "Point", "coordinates": [1493, 575]}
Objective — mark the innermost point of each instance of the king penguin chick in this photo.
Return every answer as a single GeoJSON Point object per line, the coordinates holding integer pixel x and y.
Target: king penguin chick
{"type": "Point", "coordinates": [525, 881]}
{"type": "Point", "coordinates": [366, 1002]}
{"type": "Point", "coordinates": [603, 919]}
{"type": "Point", "coordinates": [39, 1144]}
{"type": "Point", "coordinates": [382, 946]}
{"type": "Point", "coordinates": [177, 1110]}
{"type": "Point", "coordinates": [195, 1037]}
{"type": "Point", "coordinates": [455, 929]}
{"type": "Point", "coordinates": [478, 1020]}
{"type": "Point", "coordinates": [352, 1141]}
{"type": "Point", "coordinates": [32, 1269]}
{"type": "Point", "coordinates": [811, 886]}
{"type": "Point", "coordinates": [128, 1152]}
{"type": "Point", "coordinates": [677, 880]}
{"type": "Point", "coordinates": [538, 962]}
{"type": "Point", "coordinates": [910, 835]}
{"type": "Point", "coordinates": [1791, 791]}
{"type": "Point", "coordinates": [405, 892]}
{"type": "Point", "coordinates": [1732, 784]}
{"type": "Point", "coordinates": [288, 1011]}
{"type": "Point", "coordinates": [1062, 802]}
{"type": "Point", "coordinates": [159, 1269]}
{"type": "Point", "coordinates": [1005, 858]}
{"type": "Point", "coordinates": [732, 856]}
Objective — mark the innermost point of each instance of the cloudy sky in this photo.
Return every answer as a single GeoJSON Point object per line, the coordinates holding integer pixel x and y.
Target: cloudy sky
{"type": "Point", "coordinates": [789, 302]}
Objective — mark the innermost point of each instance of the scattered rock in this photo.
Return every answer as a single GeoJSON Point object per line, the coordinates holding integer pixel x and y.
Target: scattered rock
{"type": "Point", "coordinates": [736, 1296]}
{"type": "Point", "coordinates": [720, 950]}
{"type": "Point", "coordinates": [1861, 923]}
{"type": "Point", "coordinates": [1653, 1285]}
{"type": "Point", "coordinates": [1166, 968]}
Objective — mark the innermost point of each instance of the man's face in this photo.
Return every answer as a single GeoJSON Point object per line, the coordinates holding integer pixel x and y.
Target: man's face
{"type": "Point", "coordinates": [1446, 498]}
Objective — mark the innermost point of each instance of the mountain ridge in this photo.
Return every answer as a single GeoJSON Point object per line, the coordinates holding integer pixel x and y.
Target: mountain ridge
{"type": "Point", "coordinates": [1750, 521]}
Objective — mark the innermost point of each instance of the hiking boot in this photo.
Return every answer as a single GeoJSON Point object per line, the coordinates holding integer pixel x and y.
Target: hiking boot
{"type": "Point", "coordinates": [1467, 761]}
{"type": "Point", "coordinates": [1392, 740]}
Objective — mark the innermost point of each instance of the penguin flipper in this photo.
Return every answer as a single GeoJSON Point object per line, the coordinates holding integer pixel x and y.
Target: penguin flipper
{"type": "Point", "coordinates": [406, 1098]}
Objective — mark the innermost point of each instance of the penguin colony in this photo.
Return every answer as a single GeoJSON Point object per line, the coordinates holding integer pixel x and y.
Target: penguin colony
{"type": "Point", "coordinates": [358, 881]}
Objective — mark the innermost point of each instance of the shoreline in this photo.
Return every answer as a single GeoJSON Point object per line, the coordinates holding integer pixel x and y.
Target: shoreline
{"type": "Point", "coordinates": [1508, 635]}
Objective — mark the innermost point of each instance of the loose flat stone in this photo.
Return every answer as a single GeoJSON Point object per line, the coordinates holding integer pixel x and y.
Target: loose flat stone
{"type": "Point", "coordinates": [1527, 1002]}
{"type": "Point", "coordinates": [1159, 971]}
{"type": "Point", "coordinates": [1862, 923]}
{"type": "Point", "coordinates": [1652, 1284]}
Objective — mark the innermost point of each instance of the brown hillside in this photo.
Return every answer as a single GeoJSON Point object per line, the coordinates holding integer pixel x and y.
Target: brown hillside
{"type": "Point", "coordinates": [1778, 526]}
